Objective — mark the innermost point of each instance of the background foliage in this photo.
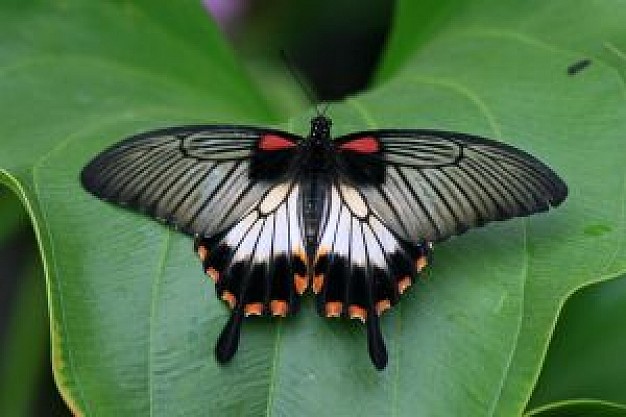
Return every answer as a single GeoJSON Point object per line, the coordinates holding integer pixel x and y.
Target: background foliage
{"type": "Point", "coordinates": [132, 318]}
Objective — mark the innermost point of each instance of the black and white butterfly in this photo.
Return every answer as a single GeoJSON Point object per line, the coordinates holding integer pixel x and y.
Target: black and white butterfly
{"type": "Point", "coordinates": [353, 219]}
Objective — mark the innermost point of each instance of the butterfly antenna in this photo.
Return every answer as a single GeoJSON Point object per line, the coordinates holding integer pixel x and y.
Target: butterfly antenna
{"type": "Point", "coordinates": [296, 76]}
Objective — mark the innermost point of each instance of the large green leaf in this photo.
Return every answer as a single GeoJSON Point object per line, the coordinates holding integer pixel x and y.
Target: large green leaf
{"type": "Point", "coordinates": [585, 358]}
{"type": "Point", "coordinates": [132, 316]}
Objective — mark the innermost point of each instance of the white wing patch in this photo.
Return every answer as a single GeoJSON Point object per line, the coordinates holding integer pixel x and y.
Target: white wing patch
{"type": "Point", "coordinates": [361, 267]}
{"type": "Point", "coordinates": [270, 229]}
{"type": "Point", "coordinates": [274, 197]}
{"type": "Point", "coordinates": [353, 200]}
{"type": "Point", "coordinates": [353, 231]}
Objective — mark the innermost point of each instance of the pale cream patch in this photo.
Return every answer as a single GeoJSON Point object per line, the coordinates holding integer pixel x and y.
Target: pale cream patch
{"type": "Point", "coordinates": [274, 198]}
{"type": "Point", "coordinates": [353, 199]}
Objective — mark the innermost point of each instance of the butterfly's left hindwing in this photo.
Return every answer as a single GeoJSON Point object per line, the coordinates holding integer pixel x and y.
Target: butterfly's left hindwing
{"type": "Point", "coordinates": [259, 265]}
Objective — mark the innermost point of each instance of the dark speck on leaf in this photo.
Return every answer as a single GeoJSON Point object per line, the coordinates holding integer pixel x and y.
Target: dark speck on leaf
{"type": "Point", "coordinates": [597, 229]}
{"type": "Point", "coordinates": [578, 66]}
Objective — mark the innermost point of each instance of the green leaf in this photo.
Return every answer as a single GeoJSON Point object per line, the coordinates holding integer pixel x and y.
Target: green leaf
{"type": "Point", "coordinates": [24, 346]}
{"type": "Point", "coordinates": [580, 408]}
{"type": "Point", "coordinates": [585, 358]}
{"type": "Point", "coordinates": [12, 216]}
{"type": "Point", "coordinates": [134, 319]}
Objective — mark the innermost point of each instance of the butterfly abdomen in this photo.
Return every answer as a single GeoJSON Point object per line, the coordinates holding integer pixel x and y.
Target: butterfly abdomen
{"type": "Point", "coordinates": [313, 197]}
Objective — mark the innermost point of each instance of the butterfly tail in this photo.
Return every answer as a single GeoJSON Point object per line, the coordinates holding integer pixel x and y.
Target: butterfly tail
{"type": "Point", "coordinates": [375, 342]}
{"type": "Point", "coordinates": [228, 341]}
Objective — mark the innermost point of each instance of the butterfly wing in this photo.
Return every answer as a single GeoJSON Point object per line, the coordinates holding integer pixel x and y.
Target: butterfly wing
{"type": "Point", "coordinates": [200, 179]}
{"type": "Point", "coordinates": [430, 185]}
{"type": "Point", "coordinates": [233, 188]}
{"type": "Point", "coordinates": [258, 265]}
{"type": "Point", "coordinates": [361, 266]}
{"type": "Point", "coordinates": [395, 192]}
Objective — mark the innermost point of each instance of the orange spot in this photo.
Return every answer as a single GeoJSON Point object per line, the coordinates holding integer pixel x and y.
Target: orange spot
{"type": "Point", "coordinates": [213, 274]}
{"type": "Point", "coordinates": [382, 306]}
{"type": "Point", "coordinates": [300, 254]}
{"type": "Point", "coordinates": [421, 263]}
{"type": "Point", "coordinates": [301, 283]}
{"type": "Point", "coordinates": [323, 250]}
{"type": "Point", "coordinates": [318, 281]}
{"type": "Point", "coordinates": [253, 309]}
{"type": "Point", "coordinates": [357, 312]}
{"type": "Point", "coordinates": [229, 298]}
{"type": "Point", "coordinates": [403, 284]}
{"type": "Point", "coordinates": [278, 307]}
{"type": "Point", "coordinates": [333, 309]}
{"type": "Point", "coordinates": [202, 253]}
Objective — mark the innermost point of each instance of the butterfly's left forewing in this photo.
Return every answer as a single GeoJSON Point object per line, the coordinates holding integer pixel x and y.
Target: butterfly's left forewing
{"type": "Point", "coordinates": [200, 179]}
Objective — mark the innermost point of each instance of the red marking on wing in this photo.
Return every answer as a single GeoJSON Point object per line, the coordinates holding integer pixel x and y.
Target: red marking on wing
{"type": "Point", "coordinates": [367, 144]}
{"type": "Point", "coordinates": [271, 142]}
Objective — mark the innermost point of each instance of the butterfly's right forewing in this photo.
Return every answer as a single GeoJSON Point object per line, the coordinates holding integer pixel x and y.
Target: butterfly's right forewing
{"type": "Point", "coordinates": [430, 185]}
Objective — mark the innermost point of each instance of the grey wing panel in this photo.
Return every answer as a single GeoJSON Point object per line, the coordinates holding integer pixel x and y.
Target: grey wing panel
{"type": "Point", "coordinates": [439, 184]}
{"type": "Point", "coordinates": [197, 179]}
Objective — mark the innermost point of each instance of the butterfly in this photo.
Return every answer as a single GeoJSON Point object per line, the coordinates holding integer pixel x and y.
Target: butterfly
{"type": "Point", "coordinates": [354, 219]}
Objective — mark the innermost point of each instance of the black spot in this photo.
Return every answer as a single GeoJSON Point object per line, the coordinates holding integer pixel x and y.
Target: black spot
{"type": "Point", "coordinates": [281, 279]}
{"type": "Point", "coordinates": [578, 66]}
{"type": "Point", "coordinates": [358, 291]}
{"type": "Point", "coordinates": [256, 291]}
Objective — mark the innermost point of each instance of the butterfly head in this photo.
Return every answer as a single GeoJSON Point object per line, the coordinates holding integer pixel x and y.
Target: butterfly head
{"type": "Point", "coordinates": [320, 127]}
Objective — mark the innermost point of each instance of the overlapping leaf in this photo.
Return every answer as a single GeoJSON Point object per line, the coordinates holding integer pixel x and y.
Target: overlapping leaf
{"type": "Point", "coordinates": [134, 319]}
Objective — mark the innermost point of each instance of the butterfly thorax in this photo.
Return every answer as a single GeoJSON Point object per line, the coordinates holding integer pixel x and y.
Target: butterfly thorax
{"type": "Point", "coordinates": [320, 128]}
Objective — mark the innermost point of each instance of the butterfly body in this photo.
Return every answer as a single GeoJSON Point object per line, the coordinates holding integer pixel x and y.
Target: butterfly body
{"type": "Point", "coordinates": [352, 220]}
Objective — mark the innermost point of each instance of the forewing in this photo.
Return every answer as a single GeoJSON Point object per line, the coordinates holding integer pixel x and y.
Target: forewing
{"type": "Point", "coordinates": [200, 179]}
{"type": "Point", "coordinates": [430, 185]}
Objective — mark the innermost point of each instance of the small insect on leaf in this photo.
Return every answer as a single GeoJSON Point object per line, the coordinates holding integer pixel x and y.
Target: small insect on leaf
{"type": "Point", "coordinates": [578, 66]}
